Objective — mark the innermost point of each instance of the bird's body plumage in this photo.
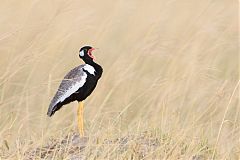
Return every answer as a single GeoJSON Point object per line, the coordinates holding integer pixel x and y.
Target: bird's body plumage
{"type": "Point", "coordinates": [77, 85]}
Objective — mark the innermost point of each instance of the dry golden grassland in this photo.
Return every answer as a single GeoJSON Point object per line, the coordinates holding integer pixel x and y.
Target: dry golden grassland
{"type": "Point", "coordinates": [170, 87]}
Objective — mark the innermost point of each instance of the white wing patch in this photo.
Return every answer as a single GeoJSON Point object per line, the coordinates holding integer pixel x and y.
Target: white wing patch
{"type": "Point", "coordinates": [79, 84]}
{"type": "Point", "coordinates": [74, 88]}
{"type": "Point", "coordinates": [89, 68]}
{"type": "Point", "coordinates": [74, 80]}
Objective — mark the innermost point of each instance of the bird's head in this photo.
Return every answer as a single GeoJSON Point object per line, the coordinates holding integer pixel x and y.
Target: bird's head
{"type": "Point", "coordinates": [85, 53]}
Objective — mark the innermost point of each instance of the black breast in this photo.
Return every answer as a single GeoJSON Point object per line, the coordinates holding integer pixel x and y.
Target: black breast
{"type": "Point", "coordinates": [90, 84]}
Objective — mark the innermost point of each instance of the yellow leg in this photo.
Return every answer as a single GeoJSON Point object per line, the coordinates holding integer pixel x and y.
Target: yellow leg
{"type": "Point", "coordinates": [80, 119]}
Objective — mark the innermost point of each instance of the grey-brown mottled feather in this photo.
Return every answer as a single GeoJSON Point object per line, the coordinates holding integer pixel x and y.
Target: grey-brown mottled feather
{"type": "Point", "coordinates": [70, 84]}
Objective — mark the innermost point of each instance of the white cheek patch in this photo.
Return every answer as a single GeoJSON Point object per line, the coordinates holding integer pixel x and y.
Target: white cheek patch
{"type": "Point", "coordinates": [81, 53]}
{"type": "Point", "coordinates": [90, 69]}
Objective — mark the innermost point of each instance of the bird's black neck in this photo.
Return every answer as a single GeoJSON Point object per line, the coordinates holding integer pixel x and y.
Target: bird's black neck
{"type": "Point", "coordinates": [97, 67]}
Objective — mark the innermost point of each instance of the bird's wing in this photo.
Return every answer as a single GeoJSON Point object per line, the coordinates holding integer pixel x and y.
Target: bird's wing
{"type": "Point", "coordinates": [74, 80]}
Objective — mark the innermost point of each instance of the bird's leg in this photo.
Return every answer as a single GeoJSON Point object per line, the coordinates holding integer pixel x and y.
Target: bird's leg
{"type": "Point", "coordinates": [80, 118]}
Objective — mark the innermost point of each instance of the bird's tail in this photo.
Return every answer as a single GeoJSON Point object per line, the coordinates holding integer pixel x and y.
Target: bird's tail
{"type": "Point", "coordinates": [53, 109]}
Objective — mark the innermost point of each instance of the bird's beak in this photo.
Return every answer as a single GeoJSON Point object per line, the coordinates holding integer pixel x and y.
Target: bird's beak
{"type": "Point", "coordinates": [90, 53]}
{"type": "Point", "coordinates": [93, 49]}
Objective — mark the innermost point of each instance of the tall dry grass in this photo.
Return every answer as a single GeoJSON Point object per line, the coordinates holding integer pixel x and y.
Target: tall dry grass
{"type": "Point", "coordinates": [170, 67]}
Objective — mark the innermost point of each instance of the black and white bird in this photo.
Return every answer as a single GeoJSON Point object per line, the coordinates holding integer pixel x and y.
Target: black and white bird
{"type": "Point", "coordinates": [77, 85]}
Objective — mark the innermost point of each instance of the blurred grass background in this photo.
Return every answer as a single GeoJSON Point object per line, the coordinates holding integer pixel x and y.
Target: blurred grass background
{"type": "Point", "coordinates": [171, 66]}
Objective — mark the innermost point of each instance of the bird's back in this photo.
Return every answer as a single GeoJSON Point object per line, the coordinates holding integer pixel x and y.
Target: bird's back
{"type": "Point", "coordinates": [73, 80]}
